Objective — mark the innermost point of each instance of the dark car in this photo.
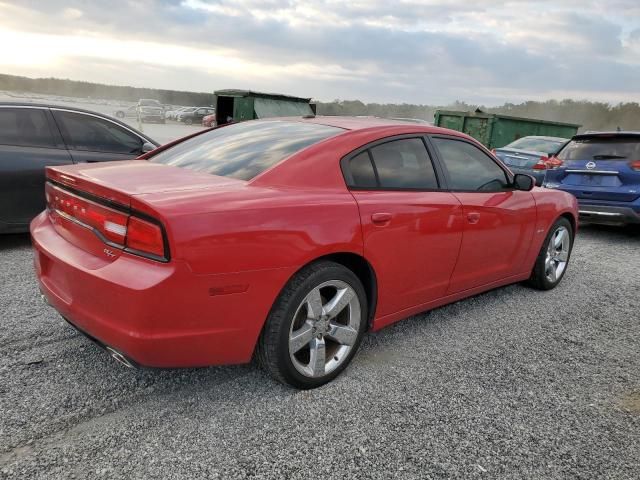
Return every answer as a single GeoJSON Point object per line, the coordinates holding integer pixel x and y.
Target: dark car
{"type": "Point", "coordinates": [34, 136]}
{"type": "Point", "coordinates": [603, 171]}
{"type": "Point", "coordinates": [196, 115]}
{"type": "Point", "coordinates": [532, 155]}
{"type": "Point", "coordinates": [150, 110]}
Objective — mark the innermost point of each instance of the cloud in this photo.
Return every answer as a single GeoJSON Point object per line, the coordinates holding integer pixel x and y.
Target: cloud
{"type": "Point", "coordinates": [408, 51]}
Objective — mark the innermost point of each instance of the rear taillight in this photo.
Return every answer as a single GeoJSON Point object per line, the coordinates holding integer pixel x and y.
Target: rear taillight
{"type": "Point", "coordinates": [541, 164]}
{"type": "Point", "coordinates": [145, 237]}
{"type": "Point", "coordinates": [117, 228]}
{"type": "Point", "coordinates": [547, 163]}
{"type": "Point", "coordinates": [107, 222]}
{"type": "Point", "coordinates": [553, 163]}
{"type": "Point", "coordinates": [635, 165]}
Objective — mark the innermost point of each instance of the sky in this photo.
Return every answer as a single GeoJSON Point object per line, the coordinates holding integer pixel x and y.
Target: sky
{"type": "Point", "coordinates": [430, 52]}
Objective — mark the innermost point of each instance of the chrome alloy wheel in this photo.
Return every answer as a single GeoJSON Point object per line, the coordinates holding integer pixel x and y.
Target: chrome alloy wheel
{"type": "Point", "coordinates": [324, 329]}
{"type": "Point", "coordinates": [557, 254]}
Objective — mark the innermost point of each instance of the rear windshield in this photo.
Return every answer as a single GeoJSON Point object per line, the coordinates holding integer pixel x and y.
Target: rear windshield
{"type": "Point", "coordinates": [544, 145]}
{"type": "Point", "coordinates": [244, 150]}
{"type": "Point", "coordinates": [602, 149]}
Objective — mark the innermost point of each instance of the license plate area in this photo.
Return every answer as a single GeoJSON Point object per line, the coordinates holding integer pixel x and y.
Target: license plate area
{"type": "Point", "coordinates": [592, 180]}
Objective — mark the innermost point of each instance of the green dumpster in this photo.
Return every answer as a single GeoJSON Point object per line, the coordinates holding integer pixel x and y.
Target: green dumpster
{"type": "Point", "coordinates": [240, 105]}
{"type": "Point", "coordinates": [496, 130]}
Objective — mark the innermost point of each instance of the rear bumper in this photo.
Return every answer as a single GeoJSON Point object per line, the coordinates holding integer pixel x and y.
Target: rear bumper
{"type": "Point", "coordinates": [608, 214]}
{"type": "Point", "coordinates": [157, 314]}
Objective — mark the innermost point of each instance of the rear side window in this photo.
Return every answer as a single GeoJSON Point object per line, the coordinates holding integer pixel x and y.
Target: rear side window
{"type": "Point", "coordinates": [362, 171]}
{"type": "Point", "coordinates": [613, 148]}
{"type": "Point", "coordinates": [93, 134]}
{"type": "Point", "coordinates": [244, 150]}
{"type": "Point", "coordinates": [469, 168]}
{"type": "Point", "coordinates": [397, 164]}
{"type": "Point", "coordinates": [404, 164]}
{"type": "Point", "coordinates": [25, 127]}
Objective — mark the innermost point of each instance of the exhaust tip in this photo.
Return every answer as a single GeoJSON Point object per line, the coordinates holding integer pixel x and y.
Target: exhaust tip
{"type": "Point", "coordinates": [120, 358]}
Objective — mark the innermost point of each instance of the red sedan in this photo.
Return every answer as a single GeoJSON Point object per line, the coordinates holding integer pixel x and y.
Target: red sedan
{"type": "Point", "coordinates": [209, 120]}
{"type": "Point", "coordinates": [288, 239]}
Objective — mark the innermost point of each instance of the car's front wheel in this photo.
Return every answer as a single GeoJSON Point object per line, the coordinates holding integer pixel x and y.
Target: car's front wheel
{"type": "Point", "coordinates": [315, 326]}
{"type": "Point", "coordinates": [553, 257]}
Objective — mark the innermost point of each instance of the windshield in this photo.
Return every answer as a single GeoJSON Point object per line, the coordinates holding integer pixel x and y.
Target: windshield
{"type": "Point", "coordinates": [602, 149]}
{"type": "Point", "coordinates": [534, 144]}
{"type": "Point", "coordinates": [244, 150]}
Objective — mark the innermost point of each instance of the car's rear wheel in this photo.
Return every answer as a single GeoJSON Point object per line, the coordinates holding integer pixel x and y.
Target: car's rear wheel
{"type": "Point", "coordinates": [188, 121]}
{"type": "Point", "coordinates": [315, 326]}
{"type": "Point", "coordinates": [120, 114]}
{"type": "Point", "coordinates": [553, 257]}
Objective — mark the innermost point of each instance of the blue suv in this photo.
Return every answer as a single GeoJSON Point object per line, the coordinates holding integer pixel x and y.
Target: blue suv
{"type": "Point", "coordinates": [603, 171]}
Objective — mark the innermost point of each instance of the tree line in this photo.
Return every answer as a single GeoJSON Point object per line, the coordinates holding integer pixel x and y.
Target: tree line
{"type": "Point", "coordinates": [73, 88]}
{"type": "Point", "coordinates": [591, 115]}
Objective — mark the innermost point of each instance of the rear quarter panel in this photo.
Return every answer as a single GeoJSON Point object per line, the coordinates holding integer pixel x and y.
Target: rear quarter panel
{"type": "Point", "coordinates": [255, 228]}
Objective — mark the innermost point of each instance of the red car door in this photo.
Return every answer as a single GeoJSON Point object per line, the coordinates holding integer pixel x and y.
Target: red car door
{"type": "Point", "coordinates": [498, 221]}
{"type": "Point", "coordinates": [412, 231]}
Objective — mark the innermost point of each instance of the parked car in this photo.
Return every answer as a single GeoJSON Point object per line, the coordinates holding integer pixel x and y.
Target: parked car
{"type": "Point", "coordinates": [209, 120]}
{"type": "Point", "coordinates": [33, 136]}
{"type": "Point", "coordinates": [150, 111]}
{"type": "Point", "coordinates": [289, 239]}
{"type": "Point", "coordinates": [532, 155]}
{"type": "Point", "coordinates": [131, 112]}
{"type": "Point", "coordinates": [196, 115]}
{"type": "Point", "coordinates": [603, 171]}
{"type": "Point", "coordinates": [173, 114]}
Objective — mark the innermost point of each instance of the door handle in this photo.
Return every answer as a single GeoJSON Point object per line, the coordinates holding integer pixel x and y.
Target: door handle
{"type": "Point", "coordinates": [380, 218]}
{"type": "Point", "coordinates": [473, 217]}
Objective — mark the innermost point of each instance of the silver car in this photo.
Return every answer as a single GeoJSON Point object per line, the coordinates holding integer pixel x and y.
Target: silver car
{"type": "Point", "coordinates": [532, 155]}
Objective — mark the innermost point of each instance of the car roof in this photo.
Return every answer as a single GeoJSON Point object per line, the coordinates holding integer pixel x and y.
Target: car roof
{"type": "Point", "coordinates": [616, 134]}
{"type": "Point", "coordinates": [544, 137]}
{"type": "Point", "coordinates": [359, 123]}
{"type": "Point", "coordinates": [79, 110]}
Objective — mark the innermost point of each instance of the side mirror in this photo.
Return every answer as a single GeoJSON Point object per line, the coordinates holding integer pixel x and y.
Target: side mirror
{"type": "Point", "coordinates": [147, 147]}
{"type": "Point", "coordinates": [523, 182]}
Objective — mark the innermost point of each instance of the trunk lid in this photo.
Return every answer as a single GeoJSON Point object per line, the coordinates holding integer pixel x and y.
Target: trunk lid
{"type": "Point", "coordinates": [118, 181]}
{"type": "Point", "coordinates": [519, 158]}
{"type": "Point", "coordinates": [96, 207]}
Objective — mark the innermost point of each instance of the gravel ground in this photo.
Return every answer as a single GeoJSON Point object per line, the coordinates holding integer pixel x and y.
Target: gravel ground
{"type": "Point", "coordinates": [513, 383]}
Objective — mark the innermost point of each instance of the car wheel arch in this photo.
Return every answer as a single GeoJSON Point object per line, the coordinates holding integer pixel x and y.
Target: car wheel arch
{"type": "Point", "coordinates": [572, 220]}
{"type": "Point", "coordinates": [360, 266]}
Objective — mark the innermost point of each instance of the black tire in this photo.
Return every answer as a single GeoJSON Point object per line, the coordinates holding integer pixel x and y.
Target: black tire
{"type": "Point", "coordinates": [188, 121]}
{"type": "Point", "coordinates": [539, 278]}
{"type": "Point", "coordinates": [272, 351]}
{"type": "Point", "coordinates": [120, 114]}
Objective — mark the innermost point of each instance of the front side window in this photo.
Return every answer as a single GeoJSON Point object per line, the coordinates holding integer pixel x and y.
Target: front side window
{"type": "Point", "coordinates": [397, 164]}
{"type": "Point", "coordinates": [244, 150]}
{"type": "Point", "coordinates": [89, 133]}
{"type": "Point", "coordinates": [26, 127]}
{"type": "Point", "coordinates": [469, 168]}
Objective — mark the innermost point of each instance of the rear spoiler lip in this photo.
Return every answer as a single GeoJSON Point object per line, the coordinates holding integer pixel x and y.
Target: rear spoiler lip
{"type": "Point", "coordinates": [85, 187]}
